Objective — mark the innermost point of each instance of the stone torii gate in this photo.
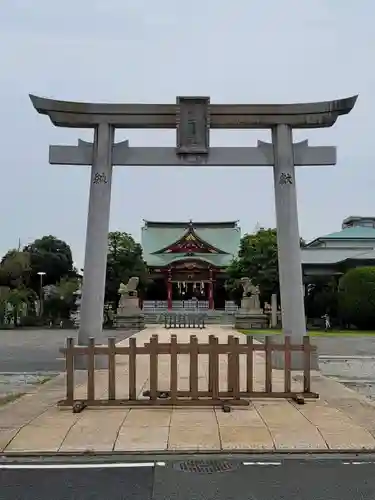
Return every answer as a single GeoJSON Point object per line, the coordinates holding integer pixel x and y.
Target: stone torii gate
{"type": "Point", "coordinates": [193, 117]}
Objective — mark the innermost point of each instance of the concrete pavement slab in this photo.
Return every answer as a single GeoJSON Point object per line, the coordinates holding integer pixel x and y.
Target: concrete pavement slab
{"type": "Point", "coordinates": [6, 436]}
{"type": "Point", "coordinates": [246, 438]}
{"type": "Point", "coordinates": [31, 439]}
{"type": "Point", "coordinates": [94, 431]}
{"type": "Point", "coordinates": [300, 439]}
{"type": "Point", "coordinates": [148, 417]}
{"type": "Point", "coordinates": [288, 427]}
{"type": "Point", "coordinates": [240, 417]}
{"type": "Point", "coordinates": [194, 417]}
{"type": "Point", "coordinates": [337, 429]}
{"type": "Point", "coordinates": [194, 437]}
{"type": "Point", "coordinates": [45, 433]}
{"type": "Point", "coordinates": [151, 438]}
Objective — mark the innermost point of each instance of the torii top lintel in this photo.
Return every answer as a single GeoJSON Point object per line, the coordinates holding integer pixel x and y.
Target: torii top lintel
{"type": "Point", "coordinates": [225, 116]}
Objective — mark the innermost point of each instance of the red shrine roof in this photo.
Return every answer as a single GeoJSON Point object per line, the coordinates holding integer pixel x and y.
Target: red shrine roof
{"type": "Point", "coordinates": [166, 242]}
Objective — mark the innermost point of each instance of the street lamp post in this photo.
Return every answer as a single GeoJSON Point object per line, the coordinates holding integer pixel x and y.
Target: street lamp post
{"type": "Point", "coordinates": [41, 274]}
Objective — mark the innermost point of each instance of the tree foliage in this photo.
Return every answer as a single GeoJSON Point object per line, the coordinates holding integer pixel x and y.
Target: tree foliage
{"type": "Point", "coordinates": [124, 261]}
{"type": "Point", "coordinates": [19, 279]}
{"type": "Point", "coordinates": [356, 297]}
{"type": "Point", "coordinates": [60, 299]}
{"type": "Point", "coordinates": [20, 282]}
{"type": "Point", "coordinates": [17, 298]}
{"type": "Point", "coordinates": [258, 260]}
{"type": "Point", "coordinates": [15, 269]}
{"type": "Point", "coordinates": [51, 256]}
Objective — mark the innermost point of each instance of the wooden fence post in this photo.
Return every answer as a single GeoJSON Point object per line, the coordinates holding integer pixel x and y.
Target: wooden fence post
{"type": "Point", "coordinates": [69, 367]}
{"type": "Point", "coordinates": [236, 368]}
{"type": "Point", "coordinates": [268, 364]}
{"type": "Point", "coordinates": [153, 346]}
{"type": "Point", "coordinates": [132, 369]}
{"type": "Point", "coordinates": [214, 368]}
{"type": "Point", "coordinates": [210, 343]}
{"type": "Point", "coordinates": [231, 368]}
{"type": "Point", "coordinates": [174, 369]}
{"type": "Point", "coordinates": [193, 368]}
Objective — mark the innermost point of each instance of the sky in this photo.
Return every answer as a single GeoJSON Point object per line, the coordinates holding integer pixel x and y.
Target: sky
{"type": "Point", "coordinates": [242, 51]}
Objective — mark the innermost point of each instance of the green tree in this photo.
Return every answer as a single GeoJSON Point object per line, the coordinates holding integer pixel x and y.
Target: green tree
{"type": "Point", "coordinates": [15, 269]}
{"type": "Point", "coordinates": [21, 299]}
{"type": "Point", "coordinates": [4, 294]}
{"type": "Point", "coordinates": [59, 299]}
{"type": "Point", "coordinates": [51, 256]}
{"type": "Point", "coordinates": [356, 298]}
{"type": "Point", "coordinates": [258, 260]}
{"type": "Point", "coordinates": [124, 261]}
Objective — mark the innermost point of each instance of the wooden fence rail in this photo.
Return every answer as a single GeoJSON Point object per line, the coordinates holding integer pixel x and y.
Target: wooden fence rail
{"type": "Point", "coordinates": [212, 395]}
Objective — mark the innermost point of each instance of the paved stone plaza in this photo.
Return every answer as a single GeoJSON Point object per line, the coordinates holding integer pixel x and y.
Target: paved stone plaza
{"type": "Point", "coordinates": [340, 420]}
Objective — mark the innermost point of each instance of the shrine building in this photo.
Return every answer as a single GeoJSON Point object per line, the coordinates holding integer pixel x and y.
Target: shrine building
{"type": "Point", "coordinates": [187, 261]}
{"type": "Point", "coordinates": [335, 253]}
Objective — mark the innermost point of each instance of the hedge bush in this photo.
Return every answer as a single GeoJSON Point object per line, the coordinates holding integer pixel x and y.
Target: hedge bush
{"type": "Point", "coordinates": [356, 298]}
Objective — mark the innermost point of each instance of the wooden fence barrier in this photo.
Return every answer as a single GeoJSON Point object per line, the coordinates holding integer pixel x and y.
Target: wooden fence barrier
{"type": "Point", "coordinates": [184, 320]}
{"type": "Point", "coordinates": [212, 395]}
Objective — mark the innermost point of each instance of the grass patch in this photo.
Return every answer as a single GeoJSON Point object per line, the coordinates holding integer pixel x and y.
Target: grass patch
{"type": "Point", "coordinates": [9, 398]}
{"type": "Point", "coordinates": [43, 379]}
{"type": "Point", "coordinates": [313, 333]}
{"type": "Point", "coordinates": [260, 331]}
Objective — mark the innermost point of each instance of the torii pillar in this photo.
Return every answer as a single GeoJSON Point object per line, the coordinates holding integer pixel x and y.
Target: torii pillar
{"type": "Point", "coordinates": [193, 117]}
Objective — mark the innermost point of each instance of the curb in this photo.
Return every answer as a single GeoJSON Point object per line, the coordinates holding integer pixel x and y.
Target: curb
{"type": "Point", "coordinates": [104, 455]}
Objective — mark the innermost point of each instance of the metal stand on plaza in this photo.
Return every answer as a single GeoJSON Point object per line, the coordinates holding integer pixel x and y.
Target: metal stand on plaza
{"type": "Point", "coordinates": [193, 117]}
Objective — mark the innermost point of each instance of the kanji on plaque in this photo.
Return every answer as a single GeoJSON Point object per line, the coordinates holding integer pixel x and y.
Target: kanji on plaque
{"type": "Point", "coordinates": [193, 125]}
{"type": "Point", "coordinates": [285, 179]}
{"type": "Point", "coordinates": [100, 178]}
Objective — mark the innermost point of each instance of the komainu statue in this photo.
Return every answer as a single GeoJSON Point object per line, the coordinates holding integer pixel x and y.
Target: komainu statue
{"type": "Point", "coordinates": [128, 314]}
{"type": "Point", "coordinates": [250, 297]}
{"type": "Point", "coordinates": [130, 289]}
{"type": "Point", "coordinates": [246, 286]}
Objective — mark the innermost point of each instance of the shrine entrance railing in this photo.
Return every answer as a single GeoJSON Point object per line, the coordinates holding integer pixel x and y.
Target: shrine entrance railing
{"type": "Point", "coordinates": [222, 388]}
{"type": "Point", "coordinates": [184, 320]}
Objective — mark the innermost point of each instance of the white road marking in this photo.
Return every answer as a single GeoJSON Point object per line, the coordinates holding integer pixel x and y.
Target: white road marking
{"type": "Point", "coordinates": [261, 463]}
{"type": "Point", "coordinates": [357, 463]}
{"type": "Point", "coordinates": [344, 358]}
{"type": "Point", "coordinates": [355, 380]}
{"type": "Point", "coordinates": [88, 465]}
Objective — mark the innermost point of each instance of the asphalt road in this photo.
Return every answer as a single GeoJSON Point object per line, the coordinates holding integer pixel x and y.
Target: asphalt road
{"type": "Point", "coordinates": [345, 346]}
{"type": "Point", "coordinates": [286, 480]}
{"type": "Point", "coordinates": [38, 350]}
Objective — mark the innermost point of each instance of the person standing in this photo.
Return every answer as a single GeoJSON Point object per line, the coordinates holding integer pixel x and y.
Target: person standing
{"type": "Point", "coordinates": [327, 322]}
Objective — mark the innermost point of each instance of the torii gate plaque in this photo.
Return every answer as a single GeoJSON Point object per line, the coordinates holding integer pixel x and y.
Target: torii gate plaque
{"type": "Point", "coordinates": [193, 117]}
